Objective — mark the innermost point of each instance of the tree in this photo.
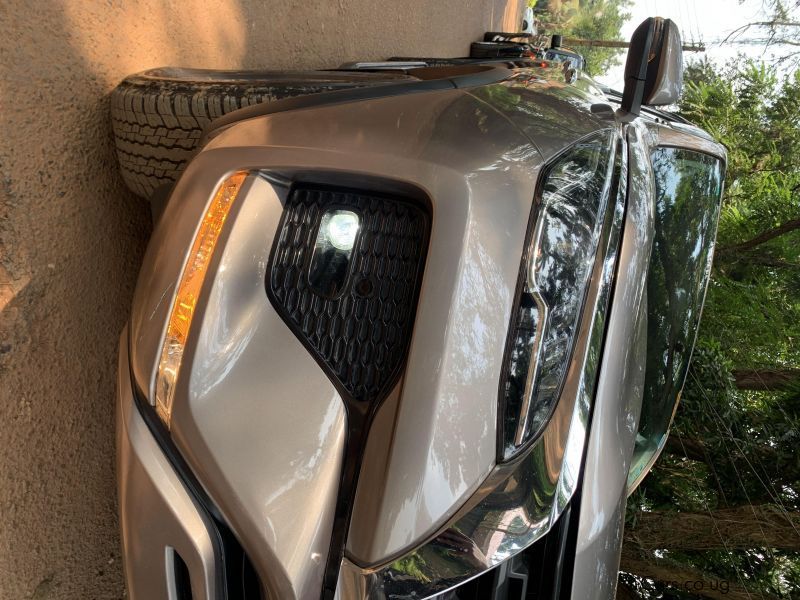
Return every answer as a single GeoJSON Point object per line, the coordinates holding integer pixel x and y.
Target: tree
{"type": "Point", "coordinates": [600, 20]}
{"type": "Point", "coordinates": [587, 19]}
{"type": "Point", "coordinates": [778, 30]}
{"type": "Point", "coordinates": [755, 114]}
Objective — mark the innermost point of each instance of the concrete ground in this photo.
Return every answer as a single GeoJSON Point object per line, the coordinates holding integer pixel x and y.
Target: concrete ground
{"type": "Point", "coordinates": [71, 236]}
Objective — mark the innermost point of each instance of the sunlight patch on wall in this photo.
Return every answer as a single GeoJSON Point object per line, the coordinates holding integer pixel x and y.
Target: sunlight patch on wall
{"type": "Point", "coordinates": [122, 38]}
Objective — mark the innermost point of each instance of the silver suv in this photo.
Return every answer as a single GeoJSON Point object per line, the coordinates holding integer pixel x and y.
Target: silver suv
{"type": "Point", "coordinates": [413, 339]}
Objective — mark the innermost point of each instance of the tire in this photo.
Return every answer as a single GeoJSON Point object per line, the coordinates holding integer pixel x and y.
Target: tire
{"type": "Point", "coordinates": [158, 116]}
{"type": "Point", "coordinates": [497, 50]}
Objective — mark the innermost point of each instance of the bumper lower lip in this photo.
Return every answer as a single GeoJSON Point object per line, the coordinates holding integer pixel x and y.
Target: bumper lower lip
{"type": "Point", "coordinates": [158, 516]}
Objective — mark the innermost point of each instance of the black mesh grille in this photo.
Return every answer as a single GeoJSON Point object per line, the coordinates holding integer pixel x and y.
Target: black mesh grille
{"type": "Point", "coordinates": [361, 336]}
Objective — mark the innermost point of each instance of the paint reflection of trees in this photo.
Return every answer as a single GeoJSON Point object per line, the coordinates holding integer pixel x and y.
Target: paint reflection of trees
{"type": "Point", "coordinates": [687, 191]}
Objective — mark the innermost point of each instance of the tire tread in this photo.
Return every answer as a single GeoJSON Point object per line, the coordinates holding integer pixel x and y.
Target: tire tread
{"type": "Point", "coordinates": [158, 122]}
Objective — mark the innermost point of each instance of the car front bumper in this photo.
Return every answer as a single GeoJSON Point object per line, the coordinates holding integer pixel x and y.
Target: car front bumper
{"type": "Point", "coordinates": [158, 516]}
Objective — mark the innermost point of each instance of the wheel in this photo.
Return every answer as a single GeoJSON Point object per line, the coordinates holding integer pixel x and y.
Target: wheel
{"type": "Point", "coordinates": [158, 116]}
{"type": "Point", "coordinates": [497, 50]}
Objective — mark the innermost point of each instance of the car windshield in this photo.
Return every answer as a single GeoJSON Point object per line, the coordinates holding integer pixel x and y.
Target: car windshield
{"type": "Point", "coordinates": [688, 189]}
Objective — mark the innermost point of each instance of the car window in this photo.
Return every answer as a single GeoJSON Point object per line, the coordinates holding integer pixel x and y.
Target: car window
{"type": "Point", "coordinates": [688, 186]}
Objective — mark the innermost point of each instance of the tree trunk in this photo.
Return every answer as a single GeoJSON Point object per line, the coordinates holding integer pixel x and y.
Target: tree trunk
{"type": "Point", "coordinates": [767, 379]}
{"type": "Point", "coordinates": [762, 237]}
{"type": "Point", "coordinates": [685, 578]}
{"type": "Point", "coordinates": [723, 262]}
{"type": "Point", "coordinates": [735, 528]}
{"type": "Point", "coordinates": [779, 467]}
{"type": "Point", "coordinates": [696, 450]}
{"type": "Point", "coordinates": [684, 447]}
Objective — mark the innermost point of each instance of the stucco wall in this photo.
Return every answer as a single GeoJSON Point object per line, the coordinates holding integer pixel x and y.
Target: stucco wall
{"type": "Point", "coordinates": [71, 236]}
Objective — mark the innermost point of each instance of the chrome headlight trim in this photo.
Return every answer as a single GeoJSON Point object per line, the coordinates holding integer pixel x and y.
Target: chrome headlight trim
{"type": "Point", "coordinates": [563, 239]}
{"type": "Point", "coordinates": [522, 498]}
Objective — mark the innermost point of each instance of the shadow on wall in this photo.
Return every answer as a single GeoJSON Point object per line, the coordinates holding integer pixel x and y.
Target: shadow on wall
{"type": "Point", "coordinates": [71, 235]}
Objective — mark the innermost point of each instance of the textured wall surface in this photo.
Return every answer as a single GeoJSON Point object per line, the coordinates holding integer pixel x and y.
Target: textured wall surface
{"type": "Point", "coordinates": [71, 236]}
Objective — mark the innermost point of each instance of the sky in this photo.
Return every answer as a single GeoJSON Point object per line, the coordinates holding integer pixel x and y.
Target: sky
{"type": "Point", "coordinates": [707, 21]}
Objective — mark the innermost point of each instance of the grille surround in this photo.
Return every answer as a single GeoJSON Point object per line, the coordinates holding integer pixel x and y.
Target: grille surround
{"type": "Point", "coordinates": [360, 336]}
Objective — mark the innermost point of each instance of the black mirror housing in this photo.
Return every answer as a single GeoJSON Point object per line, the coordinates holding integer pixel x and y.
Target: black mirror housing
{"type": "Point", "coordinates": [654, 68]}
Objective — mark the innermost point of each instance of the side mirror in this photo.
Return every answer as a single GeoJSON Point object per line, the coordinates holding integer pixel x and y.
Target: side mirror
{"type": "Point", "coordinates": [654, 69]}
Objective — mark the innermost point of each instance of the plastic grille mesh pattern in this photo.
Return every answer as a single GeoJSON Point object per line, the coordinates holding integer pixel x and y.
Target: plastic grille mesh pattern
{"type": "Point", "coordinates": [361, 336]}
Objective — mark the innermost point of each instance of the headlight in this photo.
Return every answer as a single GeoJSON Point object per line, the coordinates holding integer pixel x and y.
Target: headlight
{"type": "Point", "coordinates": [189, 286]}
{"type": "Point", "coordinates": [560, 252]}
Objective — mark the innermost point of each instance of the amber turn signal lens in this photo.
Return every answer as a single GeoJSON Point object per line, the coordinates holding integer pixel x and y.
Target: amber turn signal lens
{"type": "Point", "coordinates": [189, 286]}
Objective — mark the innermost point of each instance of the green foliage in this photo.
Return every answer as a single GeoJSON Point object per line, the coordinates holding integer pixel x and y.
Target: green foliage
{"type": "Point", "coordinates": [755, 295]}
{"type": "Point", "coordinates": [413, 566]}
